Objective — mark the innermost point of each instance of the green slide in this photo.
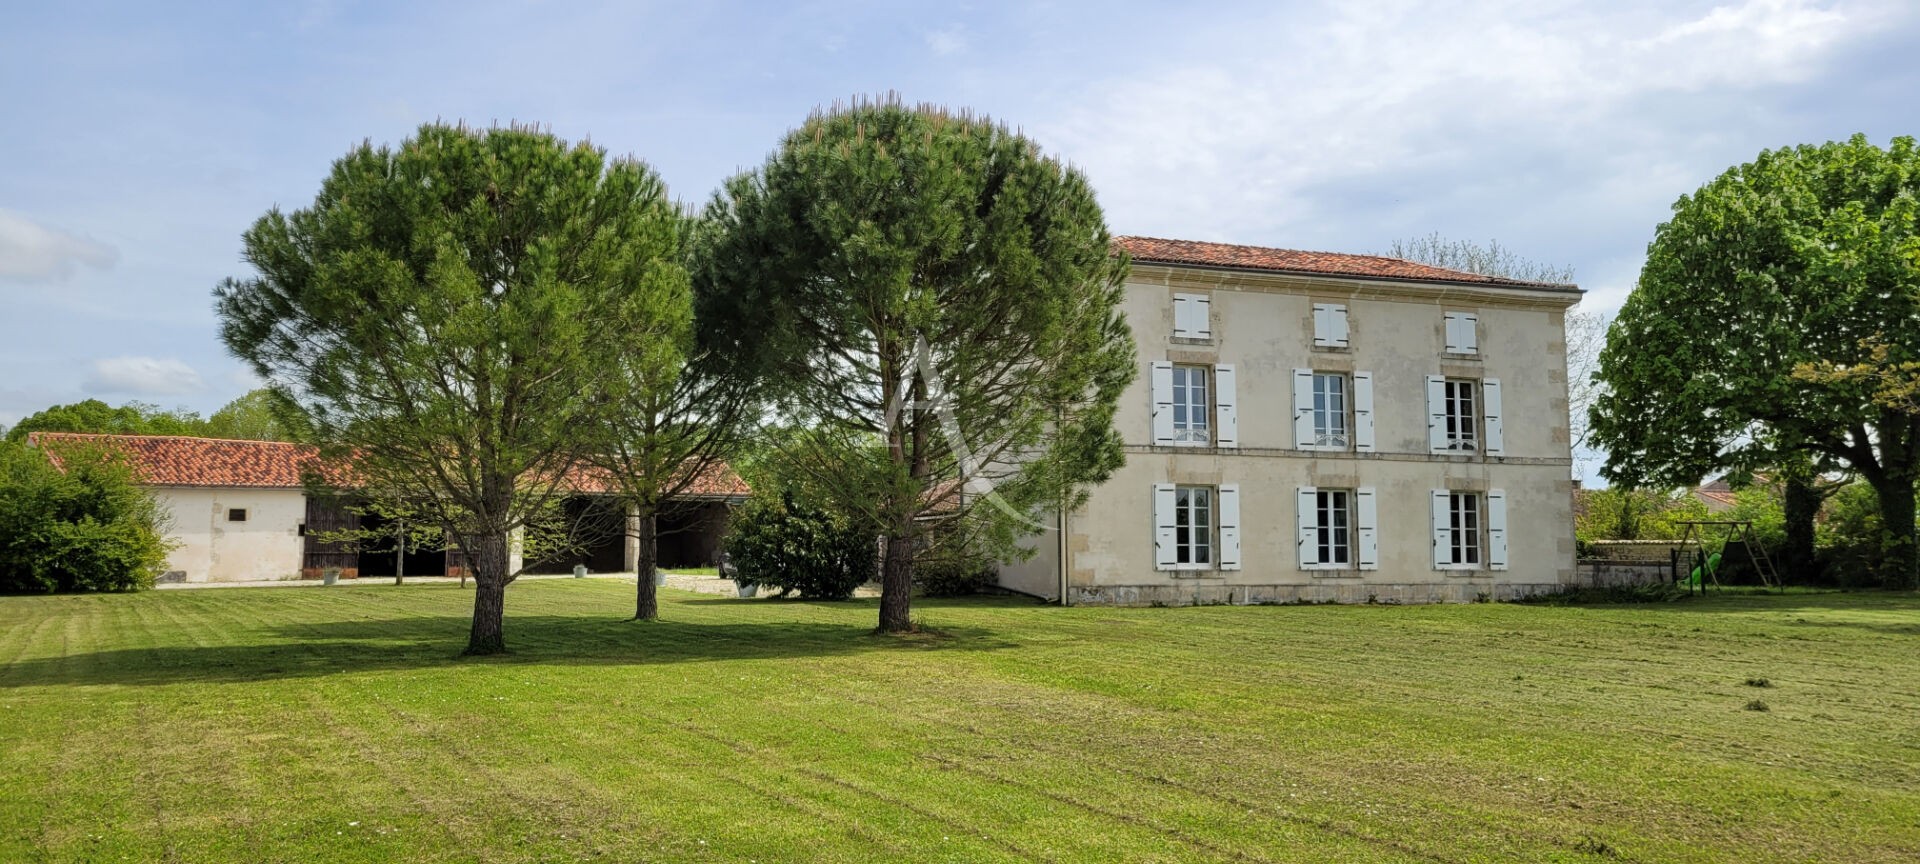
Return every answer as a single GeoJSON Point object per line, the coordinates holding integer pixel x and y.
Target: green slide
{"type": "Point", "coordinates": [1713, 566]}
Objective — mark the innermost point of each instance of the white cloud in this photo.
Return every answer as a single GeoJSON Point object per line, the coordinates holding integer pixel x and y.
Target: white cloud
{"type": "Point", "coordinates": [947, 41]}
{"type": "Point", "coordinates": [31, 252]}
{"type": "Point", "coordinates": [1349, 124]}
{"type": "Point", "coordinates": [142, 376]}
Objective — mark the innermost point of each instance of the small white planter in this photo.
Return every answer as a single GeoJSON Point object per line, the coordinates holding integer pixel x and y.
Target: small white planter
{"type": "Point", "coordinates": [748, 590]}
{"type": "Point", "coordinates": [659, 577]}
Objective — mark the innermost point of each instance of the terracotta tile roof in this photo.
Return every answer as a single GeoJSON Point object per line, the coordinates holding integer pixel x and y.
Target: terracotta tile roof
{"type": "Point", "coordinates": [1154, 250]}
{"type": "Point", "coordinates": [165, 460]}
{"type": "Point", "coordinates": [718, 480]}
{"type": "Point", "coordinates": [1716, 492]}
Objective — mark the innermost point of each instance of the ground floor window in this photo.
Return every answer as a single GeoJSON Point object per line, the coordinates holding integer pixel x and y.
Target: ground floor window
{"type": "Point", "coordinates": [1333, 535]}
{"type": "Point", "coordinates": [1193, 524]}
{"type": "Point", "coordinates": [1463, 528]}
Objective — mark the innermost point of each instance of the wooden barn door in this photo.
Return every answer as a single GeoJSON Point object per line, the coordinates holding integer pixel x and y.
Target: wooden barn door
{"type": "Point", "coordinates": [324, 515]}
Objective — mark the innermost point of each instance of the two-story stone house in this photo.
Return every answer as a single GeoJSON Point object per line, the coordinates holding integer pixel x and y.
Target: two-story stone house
{"type": "Point", "coordinates": [1312, 426]}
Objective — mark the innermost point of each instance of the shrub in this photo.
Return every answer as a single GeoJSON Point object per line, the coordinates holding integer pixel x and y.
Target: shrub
{"type": "Point", "coordinates": [1659, 592]}
{"type": "Point", "coordinates": [789, 545]}
{"type": "Point", "coordinates": [1853, 540]}
{"type": "Point", "coordinates": [954, 574]}
{"type": "Point", "coordinates": [90, 527]}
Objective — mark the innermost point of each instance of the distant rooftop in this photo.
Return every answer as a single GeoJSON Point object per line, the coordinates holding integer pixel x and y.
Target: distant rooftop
{"type": "Point", "coordinates": [1155, 250]}
{"type": "Point", "coordinates": [171, 460]}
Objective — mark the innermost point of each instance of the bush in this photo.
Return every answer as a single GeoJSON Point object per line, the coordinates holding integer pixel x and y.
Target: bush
{"type": "Point", "coordinates": [87, 528]}
{"type": "Point", "coordinates": [954, 574]}
{"type": "Point", "coordinates": [784, 543]}
{"type": "Point", "coordinates": [1658, 592]}
{"type": "Point", "coordinates": [1853, 540]}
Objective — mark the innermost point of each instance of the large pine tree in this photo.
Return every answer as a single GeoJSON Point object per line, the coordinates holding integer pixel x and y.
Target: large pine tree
{"type": "Point", "coordinates": [444, 312]}
{"type": "Point", "coordinates": [938, 308]}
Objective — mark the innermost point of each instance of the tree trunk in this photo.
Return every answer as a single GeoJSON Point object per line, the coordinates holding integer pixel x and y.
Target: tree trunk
{"type": "Point", "coordinates": [1896, 516]}
{"type": "Point", "coordinates": [489, 554]}
{"type": "Point", "coordinates": [646, 605]}
{"type": "Point", "coordinates": [400, 555]}
{"type": "Point", "coordinates": [896, 584]}
{"type": "Point", "coordinates": [1801, 503]}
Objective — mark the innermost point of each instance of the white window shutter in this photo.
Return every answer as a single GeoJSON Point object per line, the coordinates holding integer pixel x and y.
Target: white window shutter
{"type": "Point", "coordinates": [1226, 411]}
{"type": "Point", "coordinates": [1163, 534]}
{"type": "Point", "coordinates": [1329, 325]}
{"type": "Point", "coordinates": [1192, 318]}
{"type": "Point", "coordinates": [1309, 528]}
{"type": "Point", "coordinates": [1496, 444]}
{"type": "Point", "coordinates": [1162, 379]}
{"type": "Point", "coordinates": [1463, 333]}
{"type": "Point", "coordinates": [1303, 408]}
{"type": "Point", "coordinates": [1363, 412]}
{"type": "Point", "coordinates": [1368, 507]}
{"type": "Point", "coordinates": [1497, 529]}
{"type": "Point", "coordinates": [1436, 413]}
{"type": "Point", "coordinates": [1229, 526]}
{"type": "Point", "coordinates": [1442, 533]}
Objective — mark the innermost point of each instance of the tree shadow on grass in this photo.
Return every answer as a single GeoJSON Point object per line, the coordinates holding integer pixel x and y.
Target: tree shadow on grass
{"type": "Point", "coordinates": [422, 642]}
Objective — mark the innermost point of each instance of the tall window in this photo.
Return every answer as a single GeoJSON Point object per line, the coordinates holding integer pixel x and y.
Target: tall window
{"type": "Point", "coordinates": [1191, 406]}
{"type": "Point", "coordinates": [1193, 524]}
{"type": "Point", "coordinates": [1334, 536]}
{"type": "Point", "coordinates": [1330, 427]}
{"type": "Point", "coordinates": [1462, 414]}
{"type": "Point", "coordinates": [1463, 514]}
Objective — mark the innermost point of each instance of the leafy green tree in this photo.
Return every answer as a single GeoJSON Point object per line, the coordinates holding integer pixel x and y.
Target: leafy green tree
{"type": "Point", "coordinates": [443, 314]}
{"type": "Point", "coordinates": [675, 411]}
{"type": "Point", "coordinates": [253, 417]}
{"type": "Point", "coordinates": [1620, 513]}
{"type": "Point", "coordinates": [95, 416]}
{"type": "Point", "coordinates": [83, 524]}
{"type": "Point", "coordinates": [1797, 259]}
{"type": "Point", "coordinates": [938, 307]}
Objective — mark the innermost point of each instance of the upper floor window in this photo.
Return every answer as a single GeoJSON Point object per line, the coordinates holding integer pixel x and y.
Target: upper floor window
{"type": "Point", "coordinates": [1192, 316]}
{"type": "Point", "coordinates": [1193, 405]}
{"type": "Point", "coordinates": [1463, 423]}
{"type": "Point", "coordinates": [237, 514]}
{"type": "Point", "coordinates": [1333, 410]}
{"type": "Point", "coordinates": [1329, 325]}
{"type": "Point", "coordinates": [1463, 416]}
{"type": "Point", "coordinates": [1330, 427]}
{"type": "Point", "coordinates": [1463, 333]}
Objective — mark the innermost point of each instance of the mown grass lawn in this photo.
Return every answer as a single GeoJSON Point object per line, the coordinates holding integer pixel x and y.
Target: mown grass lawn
{"type": "Point", "coordinates": [339, 725]}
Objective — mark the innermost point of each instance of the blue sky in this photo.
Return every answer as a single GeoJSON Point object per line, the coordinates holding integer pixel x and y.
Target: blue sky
{"type": "Point", "coordinates": [142, 138]}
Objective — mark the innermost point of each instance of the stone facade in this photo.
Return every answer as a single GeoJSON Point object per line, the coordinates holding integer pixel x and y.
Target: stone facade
{"type": "Point", "coordinates": [1258, 331]}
